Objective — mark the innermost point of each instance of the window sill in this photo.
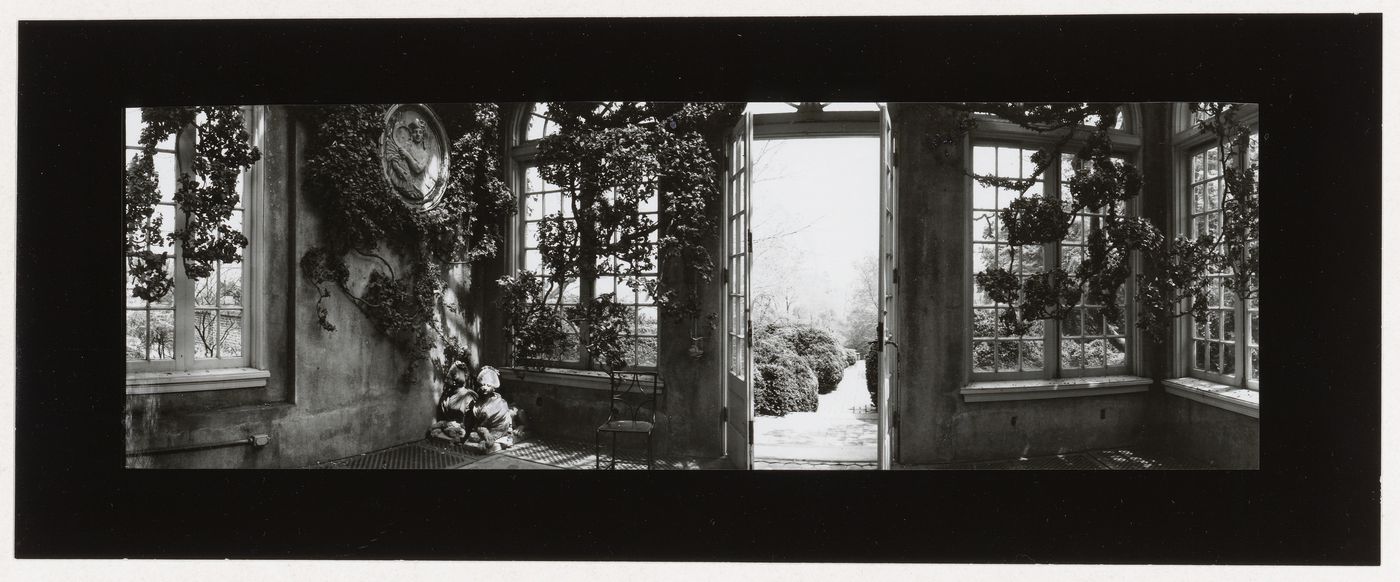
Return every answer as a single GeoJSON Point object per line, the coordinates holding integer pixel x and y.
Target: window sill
{"type": "Point", "coordinates": [1232, 398]}
{"type": "Point", "coordinates": [586, 379]}
{"type": "Point", "coordinates": [1060, 388]}
{"type": "Point", "coordinates": [195, 381]}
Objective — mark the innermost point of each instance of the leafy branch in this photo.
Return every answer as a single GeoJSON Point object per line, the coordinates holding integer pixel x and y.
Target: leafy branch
{"type": "Point", "coordinates": [207, 195]}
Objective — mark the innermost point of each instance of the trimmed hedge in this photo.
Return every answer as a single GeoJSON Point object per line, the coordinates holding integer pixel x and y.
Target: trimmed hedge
{"type": "Point", "coordinates": [783, 382]}
{"type": "Point", "coordinates": [777, 391]}
{"type": "Point", "coordinates": [872, 374]}
{"type": "Point", "coordinates": [852, 356]}
{"type": "Point", "coordinates": [819, 348]}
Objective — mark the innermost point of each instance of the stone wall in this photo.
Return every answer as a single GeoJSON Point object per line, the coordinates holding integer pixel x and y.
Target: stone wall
{"type": "Point", "coordinates": [330, 394]}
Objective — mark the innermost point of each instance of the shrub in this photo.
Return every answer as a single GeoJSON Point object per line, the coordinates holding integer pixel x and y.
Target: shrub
{"type": "Point", "coordinates": [852, 356]}
{"type": "Point", "coordinates": [872, 373]}
{"type": "Point", "coordinates": [777, 391]}
{"type": "Point", "coordinates": [788, 385]}
{"type": "Point", "coordinates": [817, 346]}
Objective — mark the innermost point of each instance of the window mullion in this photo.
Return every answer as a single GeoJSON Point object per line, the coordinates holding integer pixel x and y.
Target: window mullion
{"type": "Point", "coordinates": [1051, 353]}
{"type": "Point", "coordinates": [184, 286]}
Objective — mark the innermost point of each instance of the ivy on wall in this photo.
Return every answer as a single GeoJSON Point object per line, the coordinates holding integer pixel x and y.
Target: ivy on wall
{"type": "Point", "coordinates": [1175, 285]}
{"type": "Point", "coordinates": [362, 214]}
{"type": "Point", "coordinates": [207, 196]}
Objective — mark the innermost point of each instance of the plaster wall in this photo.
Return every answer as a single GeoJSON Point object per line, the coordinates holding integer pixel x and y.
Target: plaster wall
{"type": "Point", "coordinates": [1206, 434]}
{"type": "Point", "coordinates": [330, 394]}
{"type": "Point", "coordinates": [936, 425]}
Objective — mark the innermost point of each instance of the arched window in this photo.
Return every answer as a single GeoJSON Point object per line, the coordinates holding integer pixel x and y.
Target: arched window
{"type": "Point", "coordinates": [1086, 343]}
{"type": "Point", "coordinates": [201, 324]}
{"type": "Point", "coordinates": [539, 199]}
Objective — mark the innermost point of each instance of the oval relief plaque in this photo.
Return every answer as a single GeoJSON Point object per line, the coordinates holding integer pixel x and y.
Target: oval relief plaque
{"type": "Point", "coordinates": [413, 151]}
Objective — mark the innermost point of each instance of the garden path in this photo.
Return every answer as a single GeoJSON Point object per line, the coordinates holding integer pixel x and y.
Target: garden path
{"type": "Point", "coordinates": [842, 428]}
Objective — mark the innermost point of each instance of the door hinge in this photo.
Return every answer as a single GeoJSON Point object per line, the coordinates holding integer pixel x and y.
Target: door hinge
{"type": "Point", "coordinates": [894, 158]}
{"type": "Point", "coordinates": [748, 241]}
{"type": "Point", "coordinates": [724, 276]}
{"type": "Point", "coordinates": [724, 414]}
{"type": "Point", "coordinates": [894, 419]}
{"type": "Point", "coordinates": [750, 432]}
{"type": "Point", "coordinates": [894, 274]}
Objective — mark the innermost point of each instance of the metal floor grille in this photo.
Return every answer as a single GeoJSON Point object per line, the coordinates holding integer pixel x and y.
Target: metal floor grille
{"type": "Point", "coordinates": [433, 454]}
{"type": "Point", "coordinates": [574, 455]}
{"type": "Point", "coordinates": [436, 454]}
{"type": "Point", "coordinates": [1109, 459]}
{"type": "Point", "coordinates": [1067, 462]}
{"type": "Point", "coordinates": [414, 455]}
{"type": "Point", "coordinates": [1131, 460]}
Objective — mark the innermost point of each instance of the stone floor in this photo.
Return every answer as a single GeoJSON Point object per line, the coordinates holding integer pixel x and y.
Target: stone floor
{"type": "Point", "coordinates": [531, 453]}
{"type": "Point", "coordinates": [840, 433]}
{"type": "Point", "coordinates": [545, 453]}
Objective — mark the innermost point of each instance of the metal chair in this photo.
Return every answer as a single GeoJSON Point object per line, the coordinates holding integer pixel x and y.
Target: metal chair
{"type": "Point", "coordinates": [633, 401]}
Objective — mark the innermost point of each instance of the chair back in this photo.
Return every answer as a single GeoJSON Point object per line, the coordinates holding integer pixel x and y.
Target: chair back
{"type": "Point", "coordinates": [634, 396]}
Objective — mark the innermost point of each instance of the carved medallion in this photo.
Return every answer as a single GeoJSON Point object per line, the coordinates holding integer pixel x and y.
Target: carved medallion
{"type": "Point", "coordinates": [414, 153]}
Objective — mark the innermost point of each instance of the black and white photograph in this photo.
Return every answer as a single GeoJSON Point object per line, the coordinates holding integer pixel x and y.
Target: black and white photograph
{"type": "Point", "coordinates": [693, 285]}
{"type": "Point", "coordinates": [833, 292]}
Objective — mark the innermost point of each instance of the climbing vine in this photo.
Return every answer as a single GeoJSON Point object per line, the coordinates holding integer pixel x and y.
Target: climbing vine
{"type": "Point", "coordinates": [363, 216]}
{"type": "Point", "coordinates": [207, 195]}
{"type": "Point", "coordinates": [1176, 283]}
{"type": "Point", "coordinates": [613, 160]}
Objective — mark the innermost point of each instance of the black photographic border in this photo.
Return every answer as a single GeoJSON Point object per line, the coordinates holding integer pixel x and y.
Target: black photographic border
{"type": "Point", "coordinates": [1314, 501]}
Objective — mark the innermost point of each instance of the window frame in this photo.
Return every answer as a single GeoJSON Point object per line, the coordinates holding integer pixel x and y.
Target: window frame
{"type": "Point", "coordinates": [995, 132]}
{"type": "Point", "coordinates": [521, 155]}
{"type": "Point", "coordinates": [185, 371]}
{"type": "Point", "coordinates": [1189, 140]}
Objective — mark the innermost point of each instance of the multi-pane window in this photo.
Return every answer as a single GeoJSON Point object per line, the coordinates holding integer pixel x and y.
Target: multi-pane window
{"type": "Point", "coordinates": [1087, 341]}
{"type": "Point", "coordinates": [1225, 344]}
{"type": "Point", "coordinates": [541, 200]}
{"type": "Point", "coordinates": [994, 347]}
{"type": "Point", "coordinates": [200, 323]}
{"type": "Point", "coordinates": [538, 201]}
{"type": "Point", "coordinates": [1091, 339]}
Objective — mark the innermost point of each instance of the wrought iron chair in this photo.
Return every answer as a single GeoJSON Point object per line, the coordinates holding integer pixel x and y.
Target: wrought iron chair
{"type": "Point", "coordinates": [633, 401]}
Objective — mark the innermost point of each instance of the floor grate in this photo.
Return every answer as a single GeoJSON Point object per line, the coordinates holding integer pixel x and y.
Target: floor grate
{"type": "Point", "coordinates": [415, 455]}
{"type": "Point", "coordinates": [1136, 460]}
{"type": "Point", "coordinates": [574, 455]}
{"type": "Point", "coordinates": [1066, 462]}
{"type": "Point", "coordinates": [432, 454]}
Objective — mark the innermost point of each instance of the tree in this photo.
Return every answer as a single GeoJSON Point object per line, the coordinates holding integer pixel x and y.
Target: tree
{"type": "Point", "coordinates": [863, 315]}
{"type": "Point", "coordinates": [611, 160]}
{"type": "Point", "coordinates": [1102, 183]}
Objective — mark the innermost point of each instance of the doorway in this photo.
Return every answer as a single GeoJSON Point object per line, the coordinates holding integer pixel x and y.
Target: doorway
{"type": "Point", "coordinates": [814, 293]}
{"type": "Point", "coordinates": [809, 287]}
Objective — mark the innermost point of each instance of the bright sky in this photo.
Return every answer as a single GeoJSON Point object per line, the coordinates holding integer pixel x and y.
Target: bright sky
{"type": "Point", "coordinates": [816, 213]}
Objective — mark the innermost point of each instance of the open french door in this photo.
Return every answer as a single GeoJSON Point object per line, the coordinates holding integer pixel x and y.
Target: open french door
{"type": "Point", "coordinates": [887, 329]}
{"type": "Point", "coordinates": [738, 361]}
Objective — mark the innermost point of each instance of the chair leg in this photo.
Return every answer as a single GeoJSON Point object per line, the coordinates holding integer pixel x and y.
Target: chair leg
{"type": "Point", "coordinates": [651, 458]}
{"type": "Point", "coordinates": [613, 466]}
{"type": "Point", "coordinates": [597, 450]}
